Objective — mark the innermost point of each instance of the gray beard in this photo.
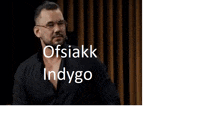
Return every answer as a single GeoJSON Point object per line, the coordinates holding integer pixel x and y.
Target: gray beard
{"type": "Point", "coordinates": [55, 45]}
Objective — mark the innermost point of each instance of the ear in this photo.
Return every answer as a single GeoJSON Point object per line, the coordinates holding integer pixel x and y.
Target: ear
{"type": "Point", "coordinates": [37, 31]}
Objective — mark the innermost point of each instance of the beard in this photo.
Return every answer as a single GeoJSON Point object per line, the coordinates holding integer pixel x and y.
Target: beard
{"type": "Point", "coordinates": [57, 39]}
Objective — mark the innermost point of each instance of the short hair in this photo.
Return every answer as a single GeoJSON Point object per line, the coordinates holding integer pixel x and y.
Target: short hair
{"type": "Point", "coordinates": [46, 5]}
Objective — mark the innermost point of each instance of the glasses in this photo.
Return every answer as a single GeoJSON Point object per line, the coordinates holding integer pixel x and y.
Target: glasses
{"type": "Point", "coordinates": [51, 25]}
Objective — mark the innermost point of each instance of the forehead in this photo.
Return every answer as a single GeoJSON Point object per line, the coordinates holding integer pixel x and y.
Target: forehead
{"type": "Point", "coordinates": [50, 15]}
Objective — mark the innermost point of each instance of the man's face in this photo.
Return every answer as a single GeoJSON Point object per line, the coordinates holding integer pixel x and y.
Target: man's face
{"type": "Point", "coordinates": [51, 27]}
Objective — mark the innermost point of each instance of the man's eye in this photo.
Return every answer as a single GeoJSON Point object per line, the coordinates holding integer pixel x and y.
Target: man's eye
{"type": "Point", "coordinates": [50, 25]}
{"type": "Point", "coordinates": [60, 23]}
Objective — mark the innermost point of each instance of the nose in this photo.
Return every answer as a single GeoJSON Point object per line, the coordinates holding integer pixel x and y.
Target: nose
{"type": "Point", "coordinates": [57, 28]}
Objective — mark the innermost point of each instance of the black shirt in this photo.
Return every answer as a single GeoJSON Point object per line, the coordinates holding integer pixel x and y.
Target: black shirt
{"type": "Point", "coordinates": [30, 88]}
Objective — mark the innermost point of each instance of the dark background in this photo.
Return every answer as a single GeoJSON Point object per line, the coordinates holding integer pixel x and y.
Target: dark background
{"type": "Point", "coordinates": [25, 44]}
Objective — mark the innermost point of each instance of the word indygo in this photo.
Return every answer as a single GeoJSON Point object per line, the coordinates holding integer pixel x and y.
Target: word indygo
{"type": "Point", "coordinates": [75, 54]}
{"type": "Point", "coordinates": [78, 75]}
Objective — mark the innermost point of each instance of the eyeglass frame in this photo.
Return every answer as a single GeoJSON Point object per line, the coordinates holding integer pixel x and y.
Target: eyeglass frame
{"type": "Point", "coordinates": [46, 26]}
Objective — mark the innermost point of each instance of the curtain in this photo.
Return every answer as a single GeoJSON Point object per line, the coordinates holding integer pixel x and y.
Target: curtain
{"type": "Point", "coordinates": [114, 27]}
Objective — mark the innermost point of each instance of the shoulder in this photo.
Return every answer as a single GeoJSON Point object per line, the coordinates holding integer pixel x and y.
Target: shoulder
{"type": "Point", "coordinates": [25, 67]}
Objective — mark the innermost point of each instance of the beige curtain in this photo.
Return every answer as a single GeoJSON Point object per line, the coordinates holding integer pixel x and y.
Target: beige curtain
{"type": "Point", "coordinates": [114, 27]}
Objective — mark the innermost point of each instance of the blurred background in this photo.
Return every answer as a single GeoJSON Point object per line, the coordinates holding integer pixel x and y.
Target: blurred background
{"type": "Point", "coordinates": [114, 27]}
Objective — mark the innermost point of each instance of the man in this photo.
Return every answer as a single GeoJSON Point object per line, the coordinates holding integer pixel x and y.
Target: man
{"type": "Point", "coordinates": [30, 85]}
